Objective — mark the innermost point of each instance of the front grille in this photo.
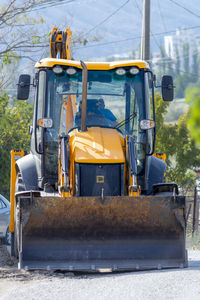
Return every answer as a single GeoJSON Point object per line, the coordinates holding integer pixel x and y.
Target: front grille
{"type": "Point", "coordinates": [98, 179]}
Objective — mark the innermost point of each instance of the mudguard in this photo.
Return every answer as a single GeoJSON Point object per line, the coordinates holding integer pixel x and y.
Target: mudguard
{"type": "Point", "coordinates": [27, 168]}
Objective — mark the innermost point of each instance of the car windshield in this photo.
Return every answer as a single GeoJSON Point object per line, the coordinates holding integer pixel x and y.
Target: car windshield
{"type": "Point", "coordinates": [113, 101]}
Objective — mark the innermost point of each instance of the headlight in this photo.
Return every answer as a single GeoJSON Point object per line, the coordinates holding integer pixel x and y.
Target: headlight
{"type": "Point", "coordinates": [45, 123]}
{"type": "Point", "coordinates": [147, 124]}
{"type": "Point", "coordinates": [57, 69]}
{"type": "Point", "coordinates": [134, 70]}
{"type": "Point", "coordinates": [71, 71]}
{"type": "Point", "coordinates": [120, 71]}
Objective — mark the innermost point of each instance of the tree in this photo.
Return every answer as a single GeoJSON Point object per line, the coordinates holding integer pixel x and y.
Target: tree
{"type": "Point", "coordinates": [15, 27]}
{"type": "Point", "coordinates": [195, 62]}
{"type": "Point", "coordinates": [182, 82]}
{"type": "Point", "coordinates": [193, 121]}
{"type": "Point", "coordinates": [162, 64]}
{"type": "Point", "coordinates": [175, 140]}
{"type": "Point", "coordinates": [177, 62]}
{"type": "Point", "coordinates": [14, 123]}
{"type": "Point", "coordinates": [186, 55]}
{"type": "Point", "coordinates": [19, 37]}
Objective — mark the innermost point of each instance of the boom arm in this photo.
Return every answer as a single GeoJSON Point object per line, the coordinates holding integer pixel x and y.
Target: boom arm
{"type": "Point", "coordinates": [60, 43]}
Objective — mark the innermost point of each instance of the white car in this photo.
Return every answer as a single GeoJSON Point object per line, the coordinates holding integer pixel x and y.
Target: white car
{"type": "Point", "coordinates": [5, 234]}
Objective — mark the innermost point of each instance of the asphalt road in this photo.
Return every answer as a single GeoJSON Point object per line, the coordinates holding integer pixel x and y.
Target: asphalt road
{"type": "Point", "coordinates": [159, 284]}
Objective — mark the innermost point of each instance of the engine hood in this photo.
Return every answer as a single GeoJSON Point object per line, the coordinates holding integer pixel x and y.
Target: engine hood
{"type": "Point", "coordinates": [97, 145]}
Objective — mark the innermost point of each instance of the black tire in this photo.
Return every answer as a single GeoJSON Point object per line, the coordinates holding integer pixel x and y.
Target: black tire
{"type": "Point", "coordinates": [186, 259]}
{"type": "Point", "coordinates": [19, 187]}
{"type": "Point", "coordinates": [7, 238]}
{"type": "Point", "coordinates": [14, 244]}
{"type": "Point", "coordinates": [164, 194]}
{"type": "Point", "coordinates": [14, 248]}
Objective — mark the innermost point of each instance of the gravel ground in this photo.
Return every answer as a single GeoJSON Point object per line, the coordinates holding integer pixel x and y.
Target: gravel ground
{"type": "Point", "coordinates": [162, 284]}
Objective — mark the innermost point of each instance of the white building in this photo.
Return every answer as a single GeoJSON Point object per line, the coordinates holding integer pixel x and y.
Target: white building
{"type": "Point", "coordinates": [174, 43]}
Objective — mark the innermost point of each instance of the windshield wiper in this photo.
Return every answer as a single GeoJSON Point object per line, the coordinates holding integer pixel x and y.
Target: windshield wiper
{"type": "Point", "coordinates": [125, 121]}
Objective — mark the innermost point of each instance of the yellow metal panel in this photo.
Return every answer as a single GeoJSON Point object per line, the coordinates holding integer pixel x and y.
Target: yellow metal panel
{"type": "Point", "coordinates": [14, 155]}
{"type": "Point", "coordinates": [96, 145]}
{"type": "Point", "coordinates": [50, 62]}
{"type": "Point", "coordinates": [160, 156]}
{"type": "Point", "coordinates": [68, 43]}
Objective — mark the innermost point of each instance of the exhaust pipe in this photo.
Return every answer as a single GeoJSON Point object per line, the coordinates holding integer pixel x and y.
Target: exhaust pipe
{"type": "Point", "coordinates": [84, 97]}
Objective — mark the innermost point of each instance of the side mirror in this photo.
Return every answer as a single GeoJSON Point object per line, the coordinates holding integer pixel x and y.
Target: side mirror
{"type": "Point", "coordinates": [167, 88]}
{"type": "Point", "coordinates": [23, 87]}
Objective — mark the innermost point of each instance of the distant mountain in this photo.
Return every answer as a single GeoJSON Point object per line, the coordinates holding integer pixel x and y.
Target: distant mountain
{"type": "Point", "coordinates": [121, 32]}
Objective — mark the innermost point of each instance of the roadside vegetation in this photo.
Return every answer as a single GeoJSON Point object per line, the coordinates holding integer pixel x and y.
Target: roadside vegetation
{"type": "Point", "coordinates": [174, 139]}
{"type": "Point", "coordinates": [178, 133]}
{"type": "Point", "coordinates": [15, 120]}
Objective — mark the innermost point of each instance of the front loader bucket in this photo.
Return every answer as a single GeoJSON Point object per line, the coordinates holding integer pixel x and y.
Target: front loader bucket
{"type": "Point", "coordinates": [94, 234]}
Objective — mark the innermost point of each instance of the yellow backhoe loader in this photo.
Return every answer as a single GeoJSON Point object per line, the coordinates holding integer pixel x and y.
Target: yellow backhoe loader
{"type": "Point", "coordinates": [91, 195]}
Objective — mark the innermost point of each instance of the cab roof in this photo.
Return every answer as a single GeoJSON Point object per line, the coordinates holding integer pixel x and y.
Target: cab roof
{"type": "Point", "coordinates": [51, 62]}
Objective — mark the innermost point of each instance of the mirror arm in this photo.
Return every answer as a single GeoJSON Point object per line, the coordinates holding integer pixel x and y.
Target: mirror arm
{"type": "Point", "coordinates": [22, 85]}
{"type": "Point", "coordinates": [157, 86]}
{"type": "Point", "coordinates": [167, 87]}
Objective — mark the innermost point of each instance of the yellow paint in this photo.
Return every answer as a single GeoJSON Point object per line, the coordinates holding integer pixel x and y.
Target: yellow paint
{"type": "Point", "coordinates": [96, 145]}
{"type": "Point", "coordinates": [100, 179]}
{"type": "Point", "coordinates": [40, 122]}
{"type": "Point", "coordinates": [59, 41]}
{"type": "Point", "coordinates": [68, 43]}
{"type": "Point", "coordinates": [50, 62]}
{"type": "Point", "coordinates": [13, 177]}
{"type": "Point", "coordinates": [84, 148]}
{"type": "Point", "coordinates": [67, 115]}
{"type": "Point", "coordinates": [160, 156]}
{"type": "Point", "coordinates": [61, 182]}
{"type": "Point", "coordinates": [129, 178]}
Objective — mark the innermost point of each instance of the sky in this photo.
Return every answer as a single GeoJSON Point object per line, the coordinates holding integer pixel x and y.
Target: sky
{"type": "Point", "coordinates": [117, 24]}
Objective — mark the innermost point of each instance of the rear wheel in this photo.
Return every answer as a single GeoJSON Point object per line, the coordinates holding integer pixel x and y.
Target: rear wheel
{"type": "Point", "coordinates": [14, 237]}
{"type": "Point", "coordinates": [19, 187]}
{"type": "Point", "coordinates": [14, 247]}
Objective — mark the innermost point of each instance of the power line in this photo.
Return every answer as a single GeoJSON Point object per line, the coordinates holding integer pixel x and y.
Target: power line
{"type": "Point", "coordinates": [161, 15]}
{"type": "Point", "coordinates": [179, 56]}
{"type": "Point", "coordinates": [51, 4]}
{"type": "Point", "coordinates": [151, 33]}
{"type": "Point", "coordinates": [133, 38]}
{"type": "Point", "coordinates": [185, 8]}
{"type": "Point", "coordinates": [164, 61]}
{"type": "Point", "coordinates": [107, 18]}
{"type": "Point", "coordinates": [107, 43]}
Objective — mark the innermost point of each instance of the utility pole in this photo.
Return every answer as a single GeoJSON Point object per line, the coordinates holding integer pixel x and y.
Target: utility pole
{"type": "Point", "coordinates": [145, 41]}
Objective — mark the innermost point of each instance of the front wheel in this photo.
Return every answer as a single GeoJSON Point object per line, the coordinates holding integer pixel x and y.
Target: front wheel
{"type": "Point", "coordinates": [14, 245]}
{"type": "Point", "coordinates": [8, 237]}
{"type": "Point", "coordinates": [15, 235]}
{"type": "Point", "coordinates": [19, 187]}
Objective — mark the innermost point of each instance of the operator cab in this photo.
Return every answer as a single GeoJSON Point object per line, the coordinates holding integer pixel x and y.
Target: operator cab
{"type": "Point", "coordinates": [119, 96]}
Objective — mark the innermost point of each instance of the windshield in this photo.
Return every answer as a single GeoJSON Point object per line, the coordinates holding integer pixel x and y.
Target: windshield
{"type": "Point", "coordinates": [113, 101]}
